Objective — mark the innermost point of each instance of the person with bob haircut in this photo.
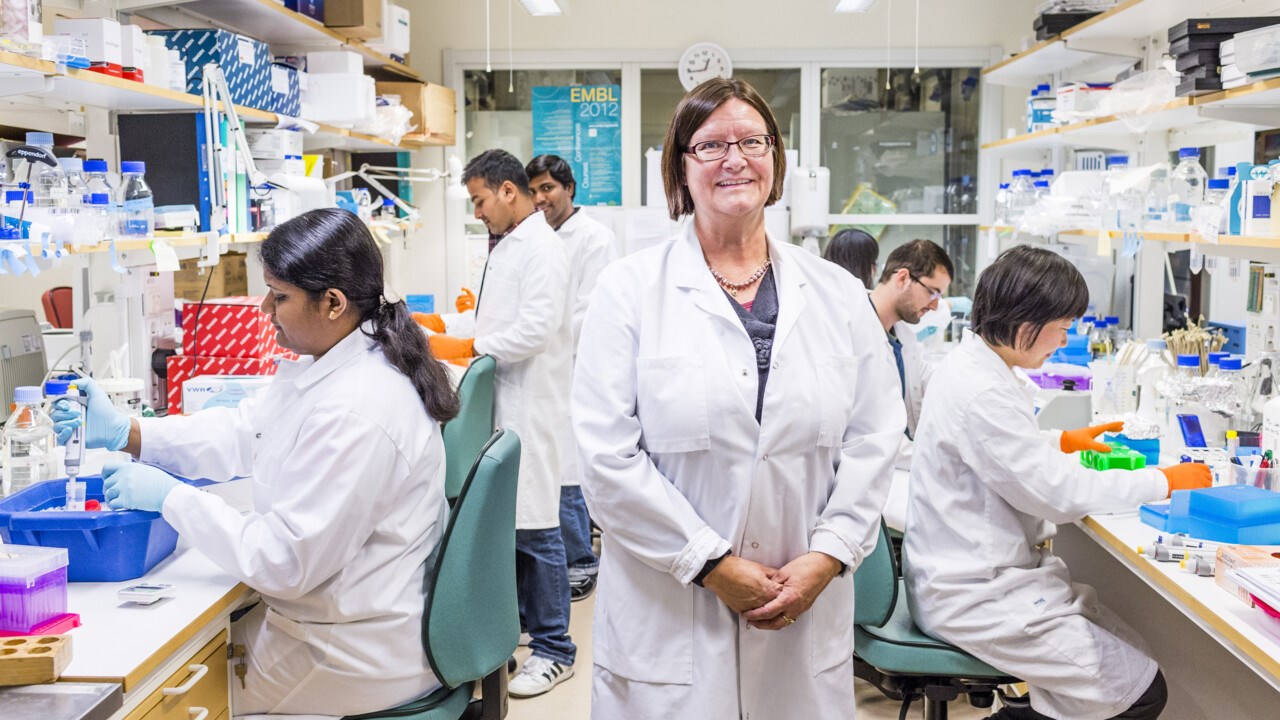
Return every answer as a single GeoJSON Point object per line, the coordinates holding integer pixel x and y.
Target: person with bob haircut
{"type": "Point", "coordinates": [347, 460]}
{"type": "Point", "coordinates": [855, 251]}
{"type": "Point", "coordinates": [987, 490]}
{"type": "Point", "coordinates": [736, 416]}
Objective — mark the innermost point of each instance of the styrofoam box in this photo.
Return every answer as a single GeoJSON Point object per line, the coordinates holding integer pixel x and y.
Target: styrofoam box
{"type": "Point", "coordinates": [208, 391]}
{"type": "Point", "coordinates": [134, 50]}
{"type": "Point", "coordinates": [101, 37]}
{"type": "Point", "coordinates": [334, 62]}
{"type": "Point", "coordinates": [340, 99]}
{"type": "Point", "coordinates": [273, 144]}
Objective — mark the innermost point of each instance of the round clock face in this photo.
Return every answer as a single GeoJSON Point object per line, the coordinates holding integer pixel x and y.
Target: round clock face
{"type": "Point", "coordinates": [702, 62]}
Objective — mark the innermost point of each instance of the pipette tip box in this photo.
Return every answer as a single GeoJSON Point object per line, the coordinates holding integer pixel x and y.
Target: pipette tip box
{"type": "Point", "coordinates": [33, 586]}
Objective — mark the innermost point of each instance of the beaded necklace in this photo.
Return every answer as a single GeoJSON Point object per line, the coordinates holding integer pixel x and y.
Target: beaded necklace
{"type": "Point", "coordinates": [734, 288]}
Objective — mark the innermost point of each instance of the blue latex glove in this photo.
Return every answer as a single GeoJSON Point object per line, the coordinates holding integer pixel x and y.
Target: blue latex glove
{"type": "Point", "coordinates": [136, 486]}
{"type": "Point", "coordinates": [108, 427]}
{"type": "Point", "coordinates": [960, 305]}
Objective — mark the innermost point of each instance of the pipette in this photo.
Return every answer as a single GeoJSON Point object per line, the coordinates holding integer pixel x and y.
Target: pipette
{"type": "Point", "coordinates": [75, 452]}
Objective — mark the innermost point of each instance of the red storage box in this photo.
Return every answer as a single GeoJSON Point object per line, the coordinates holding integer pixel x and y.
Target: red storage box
{"type": "Point", "coordinates": [182, 367]}
{"type": "Point", "coordinates": [232, 327]}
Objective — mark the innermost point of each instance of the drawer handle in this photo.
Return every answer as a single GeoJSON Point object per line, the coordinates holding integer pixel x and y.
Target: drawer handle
{"type": "Point", "coordinates": [199, 670]}
{"type": "Point", "coordinates": [198, 713]}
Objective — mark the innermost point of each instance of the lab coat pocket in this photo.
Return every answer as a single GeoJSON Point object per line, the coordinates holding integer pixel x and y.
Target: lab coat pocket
{"type": "Point", "coordinates": [499, 300]}
{"type": "Point", "coordinates": [282, 641]}
{"type": "Point", "coordinates": [831, 625]}
{"type": "Point", "coordinates": [644, 623]}
{"type": "Point", "coordinates": [1072, 636]}
{"type": "Point", "coordinates": [671, 402]}
{"type": "Point", "coordinates": [835, 378]}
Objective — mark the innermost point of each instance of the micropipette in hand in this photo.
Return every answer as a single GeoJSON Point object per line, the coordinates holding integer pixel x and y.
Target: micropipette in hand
{"type": "Point", "coordinates": [75, 450]}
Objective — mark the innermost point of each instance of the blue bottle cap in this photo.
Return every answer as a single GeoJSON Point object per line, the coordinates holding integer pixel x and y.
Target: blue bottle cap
{"type": "Point", "coordinates": [1047, 172]}
{"type": "Point", "coordinates": [1220, 184]}
{"type": "Point", "coordinates": [133, 166]}
{"type": "Point", "coordinates": [95, 165]}
{"type": "Point", "coordinates": [1189, 361]}
{"type": "Point", "coordinates": [1231, 363]}
{"type": "Point", "coordinates": [56, 388]}
{"type": "Point", "coordinates": [40, 138]}
{"type": "Point", "coordinates": [1089, 318]}
{"type": "Point", "coordinates": [1117, 159]}
{"type": "Point", "coordinates": [27, 394]}
{"type": "Point", "coordinates": [1113, 319]}
{"type": "Point", "coordinates": [100, 199]}
{"type": "Point", "coordinates": [1188, 152]}
{"type": "Point", "coordinates": [1217, 357]}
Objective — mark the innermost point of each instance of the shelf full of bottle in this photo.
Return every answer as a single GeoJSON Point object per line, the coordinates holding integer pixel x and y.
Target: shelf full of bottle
{"type": "Point", "coordinates": [1156, 201]}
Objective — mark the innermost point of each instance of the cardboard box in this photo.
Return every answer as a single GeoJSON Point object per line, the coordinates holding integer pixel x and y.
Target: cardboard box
{"type": "Point", "coordinates": [313, 9]}
{"type": "Point", "coordinates": [433, 106]}
{"type": "Point", "coordinates": [101, 38]}
{"type": "Point", "coordinates": [207, 391]}
{"type": "Point", "coordinates": [286, 92]}
{"type": "Point", "coordinates": [230, 327]}
{"type": "Point", "coordinates": [354, 18]}
{"type": "Point", "coordinates": [1234, 557]}
{"type": "Point", "coordinates": [229, 278]}
{"type": "Point", "coordinates": [134, 51]}
{"type": "Point", "coordinates": [181, 367]}
{"type": "Point", "coordinates": [245, 62]}
{"type": "Point", "coordinates": [344, 62]}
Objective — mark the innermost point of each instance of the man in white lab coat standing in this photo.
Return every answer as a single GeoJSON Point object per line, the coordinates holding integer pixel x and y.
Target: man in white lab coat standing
{"type": "Point", "coordinates": [591, 246]}
{"type": "Point", "coordinates": [521, 319]}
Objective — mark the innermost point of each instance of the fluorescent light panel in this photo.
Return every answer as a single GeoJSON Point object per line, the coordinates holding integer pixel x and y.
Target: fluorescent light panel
{"type": "Point", "coordinates": [850, 6]}
{"type": "Point", "coordinates": [541, 8]}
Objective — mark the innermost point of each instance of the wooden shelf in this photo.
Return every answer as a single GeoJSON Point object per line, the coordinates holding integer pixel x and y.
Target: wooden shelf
{"type": "Point", "coordinates": [1099, 48]}
{"type": "Point", "coordinates": [79, 88]}
{"type": "Point", "coordinates": [286, 31]}
{"type": "Point", "coordinates": [175, 241]}
{"type": "Point", "coordinates": [1266, 242]}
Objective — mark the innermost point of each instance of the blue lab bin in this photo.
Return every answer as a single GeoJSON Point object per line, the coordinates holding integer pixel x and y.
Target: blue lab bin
{"type": "Point", "coordinates": [421, 303]}
{"type": "Point", "coordinates": [102, 546]}
{"type": "Point", "coordinates": [1156, 515]}
{"type": "Point", "coordinates": [1236, 505]}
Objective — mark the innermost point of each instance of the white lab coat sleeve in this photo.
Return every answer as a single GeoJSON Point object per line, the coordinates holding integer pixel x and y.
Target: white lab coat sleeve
{"type": "Point", "coordinates": [214, 444]}
{"type": "Point", "coordinates": [1001, 443]}
{"type": "Point", "coordinates": [329, 494]}
{"type": "Point", "coordinates": [597, 254]}
{"type": "Point", "coordinates": [461, 324]}
{"type": "Point", "coordinates": [629, 498]}
{"type": "Point", "coordinates": [544, 290]}
{"type": "Point", "coordinates": [849, 526]}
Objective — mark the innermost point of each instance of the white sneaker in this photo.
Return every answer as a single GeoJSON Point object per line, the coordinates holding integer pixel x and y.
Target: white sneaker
{"type": "Point", "coordinates": [538, 675]}
{"type": "Point", "coordinates": [525, 639]}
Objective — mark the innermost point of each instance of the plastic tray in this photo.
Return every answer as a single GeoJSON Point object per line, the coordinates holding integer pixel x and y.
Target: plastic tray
{"type": "Point", "coordinates": [103, 546]}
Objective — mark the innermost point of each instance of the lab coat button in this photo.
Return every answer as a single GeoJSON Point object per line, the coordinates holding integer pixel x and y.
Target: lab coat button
{"type": "Point", "coordinates": [775, 364]}
{"type": "Point", "coordinates": [755, 545]}
{"type": "Point", "coordinates": [766, 457]}
{"type": "Point", "coordinates": [744, 372]}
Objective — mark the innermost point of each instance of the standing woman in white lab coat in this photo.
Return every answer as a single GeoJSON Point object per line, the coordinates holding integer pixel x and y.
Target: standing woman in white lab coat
{"type": "Point", "coordinates": [347, 465]}
{"type": "Point", "coordinates": [737, 415]}
{"type": "Point", "coordinates": [987, 488]}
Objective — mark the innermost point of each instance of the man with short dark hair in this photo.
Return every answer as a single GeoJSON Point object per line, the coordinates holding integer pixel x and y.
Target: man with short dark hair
{"type": "Point", "coordinates": [521, 318]}
{"type": "Point", "coordinates": [914, 279]}
{"type": "Point", "coordinates": [590, 246]}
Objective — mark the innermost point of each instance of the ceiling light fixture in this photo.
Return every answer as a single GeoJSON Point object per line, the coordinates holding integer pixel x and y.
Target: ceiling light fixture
{"type": "Point", "coordinates": [852, 6]}
{"type": "Point", "coordinates": [543, 8]}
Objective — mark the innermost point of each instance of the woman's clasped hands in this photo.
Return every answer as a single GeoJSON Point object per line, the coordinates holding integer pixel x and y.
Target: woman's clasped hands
{"type": "Point", "coordinates": [772, 598]}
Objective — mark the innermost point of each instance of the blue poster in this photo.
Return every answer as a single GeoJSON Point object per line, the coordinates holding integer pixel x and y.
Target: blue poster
{"type": "Point", "coordinates": [583, 125]}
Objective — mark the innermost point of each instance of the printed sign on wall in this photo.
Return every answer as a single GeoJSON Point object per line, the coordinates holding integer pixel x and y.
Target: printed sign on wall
{"type": "Point", "coordinates": [583, 125]}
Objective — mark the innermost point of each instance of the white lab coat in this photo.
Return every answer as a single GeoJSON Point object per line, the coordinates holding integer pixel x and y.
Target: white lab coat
{"type": "Point", "coordinates": [522, 318]}
{"type": "Point", "coordinates": [986, 489]}
{"type": "Point", "coordinates": [590, 246]}
{"type": "Point", "coordinates": [348, 502]}
{"type": "Point", "coordinates": [676, 471]}
{"type": "Point", "coordinates": [917, 370]}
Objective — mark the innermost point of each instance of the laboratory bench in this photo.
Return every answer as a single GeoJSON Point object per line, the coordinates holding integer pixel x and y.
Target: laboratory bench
{"type": "Point", "coordinates": [143, 662]}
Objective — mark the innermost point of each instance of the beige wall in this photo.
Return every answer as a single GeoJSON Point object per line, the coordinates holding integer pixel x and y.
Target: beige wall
{"type": "Point", "coordinates": [673, 25]}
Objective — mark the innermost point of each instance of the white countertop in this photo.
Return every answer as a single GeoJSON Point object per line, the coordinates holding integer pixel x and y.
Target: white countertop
{"type": "Point", "coordinates": [1218, 612]}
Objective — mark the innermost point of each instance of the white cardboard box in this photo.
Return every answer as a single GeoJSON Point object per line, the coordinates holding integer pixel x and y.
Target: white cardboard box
{"type": "Point", "coordinates": [335, 61]}
{"type": "Point", "coordinates": [272, 144]}
{"type": "Point", "coordinates": [206, 391]}
{"type": "Point", "coordinates": [101, 38]}
{"type": "Point", "coordinates": [134, 50]}
{"type": "Point", "coordinates": [395, 31]}
{"type": "Point", "coordinates": [339, 99]}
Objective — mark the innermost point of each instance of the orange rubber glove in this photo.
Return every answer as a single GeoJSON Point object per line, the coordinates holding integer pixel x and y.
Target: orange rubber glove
{"type": "Point", "coordinates": [466, 301]}
{"type": "Point", "coordinates": [1083, 439]}
{"type": "Point", "coordinates": [432, 322]}
{"type": "Point", "coordinates": [1187, 476]}
{"type": "Point", "coordinates": [447, 347]}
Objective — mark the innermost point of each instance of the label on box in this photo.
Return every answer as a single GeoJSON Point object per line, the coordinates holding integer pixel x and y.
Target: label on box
{"type": "Point", "coordinates": [1261, 207]}
{"type": "Point", "coordinates": [244, 46]}
{"type": "Point", "coordinates": [208, 391]}
{"type": "Point", "coordinates": [181, 367]}
{"type": "Point", "coordinates": [279, 80]}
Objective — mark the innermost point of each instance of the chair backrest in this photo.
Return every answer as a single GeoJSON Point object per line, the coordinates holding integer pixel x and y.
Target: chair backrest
{"type": "Point", "coordinates": [472, 623]}
{"type": "Point", "coordinates": [57, 306]}
{"type": "Point", "coordinates": [875, 584]}
{"type": "Point", "coordinates": [465, 435]}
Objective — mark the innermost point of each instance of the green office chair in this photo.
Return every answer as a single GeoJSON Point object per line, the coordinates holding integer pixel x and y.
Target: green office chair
{"type": "Point", "coordinates": [471, 623]}
{"type": "Point", "coordinates": [903, 663]}
{"type": "Point", "coordinates": [465, 435]}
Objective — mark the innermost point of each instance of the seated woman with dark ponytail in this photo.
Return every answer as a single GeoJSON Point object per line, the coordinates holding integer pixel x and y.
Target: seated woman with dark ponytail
{"type": "Point", "coordinates": [347, 462]}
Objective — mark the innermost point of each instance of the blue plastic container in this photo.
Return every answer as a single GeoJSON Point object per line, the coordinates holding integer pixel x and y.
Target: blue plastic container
{"type": "Point", "coordinates": [103, 546]}
{"type": "Point", "coordinates": [421, 303]}
{"type": "Point", "coordinates": [1149, 448]}
{"type": "Point", "coordinates": [1237, 504]}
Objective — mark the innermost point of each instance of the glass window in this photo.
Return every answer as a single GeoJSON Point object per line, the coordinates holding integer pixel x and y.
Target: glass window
{"type": "Point", "coordinates": [660, 92]}
{"type": "Point", "coordinates": [908, 147]}
{"type": "Point", "coordinates": [499, 109]}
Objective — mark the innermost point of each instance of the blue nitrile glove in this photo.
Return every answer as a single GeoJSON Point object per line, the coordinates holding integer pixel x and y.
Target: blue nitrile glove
{"type": "Point", "coordinates": [136, 486]}
{"type": "Point", "coordinates": [960, 305]}
{"type": "Point", "coordinates": [108, 427]}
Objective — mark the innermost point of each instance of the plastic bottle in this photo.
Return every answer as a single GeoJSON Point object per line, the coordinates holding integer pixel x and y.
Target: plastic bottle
{"type": "Point", "coordinates": [77, 189]}
{"type": "Point", "coordinates": [1041, 189]}
{"type": "Point", "coordinates": [1189, 366]}
{"type": "Point", "coordinates": [1115, 335]}
{"type": "Point", "coordinates": [1215, 360]}
{"type": "Point", "coordinates": [1186, 188]}
{"type": "Point", "coordinates": [102, 218]}
{"type": "Point", "coordinates": [177, 71]}
{"type": "Point", "coordinates": [98, 179]}
{"type": "Point", "coordinates": [1157, 200]}
{"type": "Point", "coordinates": [1231, 370]}
{"type": "Point", "coordinates": [50, 186]}
{"type": "Point", "coordinates": [1001, 216]}
{"type": "Point", "coordinates": [1040, 106]}
{"type": "Point", "coordinates": [1213, 208]}
{"type": "Point", "coordinates": [1100, 339]}
{"type": "Point", "coordinates": [138, 209]}
{"type": "Point", "coordinates": [1021, 195]}
{"type": "Point", "coordinates": [1109, 203]}
{"type": "Point", "coordinates": [28, 442]}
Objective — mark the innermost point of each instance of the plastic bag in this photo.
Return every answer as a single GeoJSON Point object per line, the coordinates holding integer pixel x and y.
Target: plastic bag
{"type": "Point", "coordinates": [390, 122]}
{"type": "Point", "coordinates": [1135, 100]}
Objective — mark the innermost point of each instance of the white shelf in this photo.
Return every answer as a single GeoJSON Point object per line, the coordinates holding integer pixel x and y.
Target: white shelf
{"type": "Point", "coordinates": [286, 31]}
{"type": "Point", "coordinates": [1099, 48]}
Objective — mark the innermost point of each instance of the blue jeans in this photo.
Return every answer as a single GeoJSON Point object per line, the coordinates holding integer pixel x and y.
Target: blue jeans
{"type": "Point", "coordinates": [542, 587]}
{"type": "Point", "coordinates": [575, 529]}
